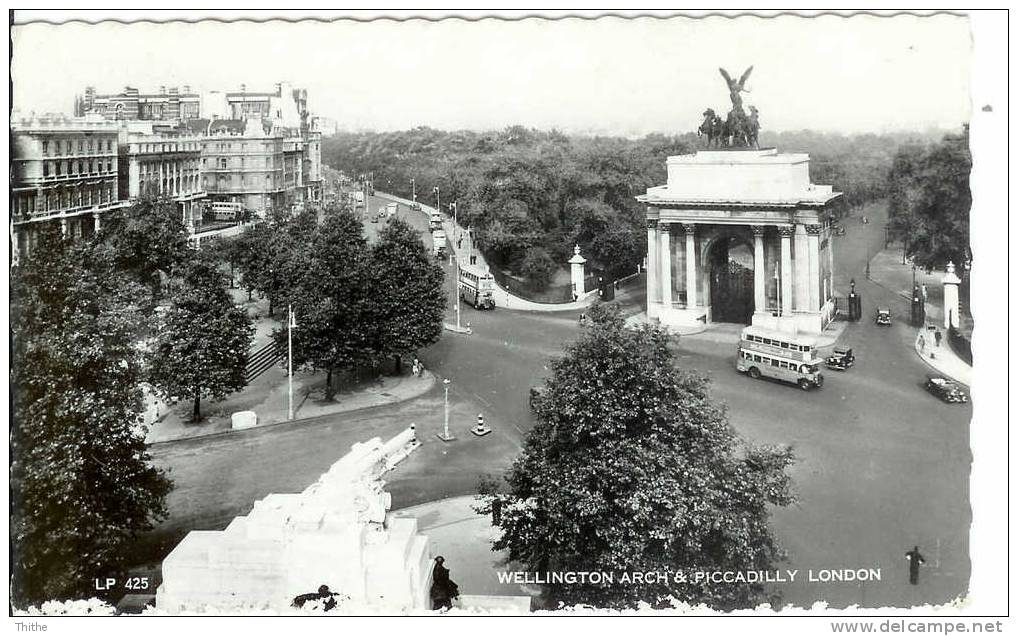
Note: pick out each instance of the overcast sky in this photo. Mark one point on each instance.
(609, 75)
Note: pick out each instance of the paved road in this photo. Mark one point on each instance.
(882, 466)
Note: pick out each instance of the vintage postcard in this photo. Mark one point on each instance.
(508, 313)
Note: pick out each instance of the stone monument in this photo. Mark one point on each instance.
(337, 532)
(739, 234)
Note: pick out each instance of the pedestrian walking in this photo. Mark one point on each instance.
(443, 589)
(914, 561)
(937, 336)
(922, 344)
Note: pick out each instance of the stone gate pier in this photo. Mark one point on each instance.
(740, 236)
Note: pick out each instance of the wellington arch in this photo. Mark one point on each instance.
(740, 236)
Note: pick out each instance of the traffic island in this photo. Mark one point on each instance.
(460, 330)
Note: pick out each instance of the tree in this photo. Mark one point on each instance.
(82, 486)
(203, 343)
(632, 468)
(147, 239)
(538, 266)
(407, 284)
(328, 290)
(930, 201)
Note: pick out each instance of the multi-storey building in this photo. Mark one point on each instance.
(131, 104)
(243, 162)
(162, 163)
(62, 171)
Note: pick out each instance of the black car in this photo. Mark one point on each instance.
(840, 359)
(883, 317)
(945, 389)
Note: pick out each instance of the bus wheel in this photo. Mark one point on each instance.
(754, 373)
(804, 384)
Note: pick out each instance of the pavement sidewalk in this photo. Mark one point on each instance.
(887, 271)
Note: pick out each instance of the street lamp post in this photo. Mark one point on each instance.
(454, 226)
(438, 197)
(444, 435)
(413, 188)
(291, 324)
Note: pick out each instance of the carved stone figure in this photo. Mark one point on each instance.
(735, 88)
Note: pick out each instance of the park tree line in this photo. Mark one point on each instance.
(531, 195)
(929, 201)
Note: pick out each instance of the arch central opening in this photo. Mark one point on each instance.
(731, 281)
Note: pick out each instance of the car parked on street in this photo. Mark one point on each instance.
(945, 389)
(883, 317)
(840, 359)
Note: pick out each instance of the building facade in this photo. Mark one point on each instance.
(132, 105)
(243, 161)
(740, 236)
(162, 164)
(64, 171)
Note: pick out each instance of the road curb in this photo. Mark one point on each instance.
(296, 420)
(926, 360)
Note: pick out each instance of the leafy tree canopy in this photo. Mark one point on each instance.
(930, 201)
(82, 486)
(632, 467)
(407, 286)
(203, 342)
(146, 239)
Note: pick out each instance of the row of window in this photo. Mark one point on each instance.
(66, 147)
(774, 342)
(781, 364)
(186, 183)
(63, 199)
(222, 146)
(223, 163)
(64, 168)
(152, 167)
(169, 146)
(225, 181)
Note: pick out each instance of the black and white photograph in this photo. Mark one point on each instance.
(443, 313)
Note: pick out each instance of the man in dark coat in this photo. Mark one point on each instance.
(322, 594)
(443, 589)
(914, 561)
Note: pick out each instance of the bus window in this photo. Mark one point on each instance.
(774, 363)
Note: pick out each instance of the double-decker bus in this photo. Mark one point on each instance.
(225, 211)
(476, 287)
(778, 355)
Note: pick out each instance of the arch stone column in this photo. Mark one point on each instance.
(759, 275)
(786, 232)
(664, 229)
(813, 247)
(802, 295)
(690, 230)
(652, 268)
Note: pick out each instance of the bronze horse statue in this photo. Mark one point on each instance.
(712, 128)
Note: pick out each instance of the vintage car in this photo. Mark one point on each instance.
(883, 317)
(945, 389)
(839, 230)
(840, 359)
